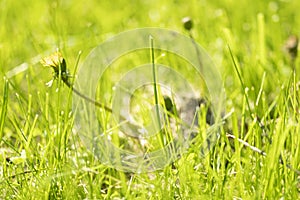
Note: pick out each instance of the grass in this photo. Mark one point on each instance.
(41, 153)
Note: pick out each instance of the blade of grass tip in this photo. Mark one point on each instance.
(244, 88)
(260, 89)
(47, 107)
(4, 107)
(14, 87)
(30, 135)
(155, 88)
(257, 102)
(76, 65)
(261, 37)
(294, 93)
(154, 80)
(239, 76)
(19, 132)
(27, 123)
(11, 146)
(20, 103)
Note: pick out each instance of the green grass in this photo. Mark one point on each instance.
(47, 159)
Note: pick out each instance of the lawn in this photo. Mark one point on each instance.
(50, 123)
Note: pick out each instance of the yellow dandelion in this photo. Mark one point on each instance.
(55, 61)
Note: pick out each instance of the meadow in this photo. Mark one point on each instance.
(253, 46)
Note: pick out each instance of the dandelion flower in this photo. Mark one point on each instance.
(57, 62)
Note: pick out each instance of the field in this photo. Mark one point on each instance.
(50, 52)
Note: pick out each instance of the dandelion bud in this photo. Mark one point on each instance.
(292, 46)
(169, 104)
(187, 23)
